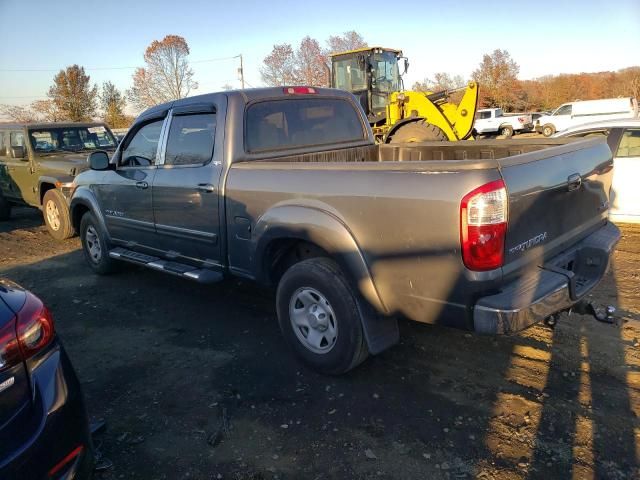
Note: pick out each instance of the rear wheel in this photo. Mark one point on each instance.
(56, 215)
(418, 131)
(5, 208)
(548, 130)
(506, 131)
(95, 246)
(319, 316)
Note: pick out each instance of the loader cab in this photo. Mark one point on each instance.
(371, 74)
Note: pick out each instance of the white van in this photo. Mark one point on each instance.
(571, 114)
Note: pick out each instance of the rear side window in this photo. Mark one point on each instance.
(291, 123)
(17, 139)
(191, 139)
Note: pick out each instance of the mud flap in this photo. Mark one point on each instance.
(380, 332)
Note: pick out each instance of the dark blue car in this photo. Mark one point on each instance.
(44, 430)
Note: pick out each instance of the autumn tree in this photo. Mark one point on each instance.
(311, 64)
(351, 40)
(279, 67)
(72, 94)
(113, 103)
(166, 75)
(497, 75)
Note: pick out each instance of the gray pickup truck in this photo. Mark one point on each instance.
(286, 187)
(38, 162)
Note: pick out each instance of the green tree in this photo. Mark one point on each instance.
(113, 103)
(73, 95)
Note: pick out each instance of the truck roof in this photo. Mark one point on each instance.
(248, 95)
(11, 126)
(366, 49)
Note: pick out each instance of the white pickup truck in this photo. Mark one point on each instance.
(493, 121)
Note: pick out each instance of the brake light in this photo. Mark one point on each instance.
(483, 226)
(34, 326)
(66, 461)
(300, 90)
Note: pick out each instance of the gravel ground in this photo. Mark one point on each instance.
(196, 382)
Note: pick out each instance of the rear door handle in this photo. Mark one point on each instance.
(142, 185)
(574, 181)
(206, 187)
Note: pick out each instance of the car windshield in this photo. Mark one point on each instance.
(71, 139)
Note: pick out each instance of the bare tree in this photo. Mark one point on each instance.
(279, 67)
(166, 75)
(440, 81)
(73, 95)
(348, 41)
(47, 111)
(18, 113)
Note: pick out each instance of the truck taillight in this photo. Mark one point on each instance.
(300, 90)
(34, 326)
(483, 226)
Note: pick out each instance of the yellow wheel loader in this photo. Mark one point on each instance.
(396, 115)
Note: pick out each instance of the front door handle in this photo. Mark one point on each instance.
(574, 181)
(206, 187)
(142, 185)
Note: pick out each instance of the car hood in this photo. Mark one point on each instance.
(70, 164)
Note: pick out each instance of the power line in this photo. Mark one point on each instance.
(219, 59)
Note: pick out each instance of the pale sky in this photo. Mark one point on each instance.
(109, 37)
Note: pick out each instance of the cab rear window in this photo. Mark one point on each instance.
(301, 122)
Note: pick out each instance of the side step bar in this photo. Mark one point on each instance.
(200, 275)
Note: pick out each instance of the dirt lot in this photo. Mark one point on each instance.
(196, 382)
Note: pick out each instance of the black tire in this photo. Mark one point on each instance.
(89, 227)
(323, 276)
(506, 131)
(55, 211)
(5, 208)
(548, 130)
(418, 131)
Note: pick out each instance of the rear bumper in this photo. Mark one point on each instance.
(59, 425)
(554, 287)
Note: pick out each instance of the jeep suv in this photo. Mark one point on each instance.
(38, 163)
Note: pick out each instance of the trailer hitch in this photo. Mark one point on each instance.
(584, 307)
(604, 315)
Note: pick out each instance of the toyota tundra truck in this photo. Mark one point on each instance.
(286, 187)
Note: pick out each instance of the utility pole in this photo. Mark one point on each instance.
(241, 72)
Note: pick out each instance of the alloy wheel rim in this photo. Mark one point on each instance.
(53, 215)
(313, 320)
(94, 249)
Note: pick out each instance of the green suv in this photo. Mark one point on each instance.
(38, 163)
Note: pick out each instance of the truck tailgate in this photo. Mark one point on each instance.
(556, 197)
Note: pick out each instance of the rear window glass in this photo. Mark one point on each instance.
(282, 124)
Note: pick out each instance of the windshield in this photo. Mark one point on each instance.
(71, 139)
(385, 78)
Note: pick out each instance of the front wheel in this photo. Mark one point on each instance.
(319, 316)
(95, 246)
(548, 130)
(56, 215)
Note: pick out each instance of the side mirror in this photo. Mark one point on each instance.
(18, 152)
(406, 65)
(98, 160)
